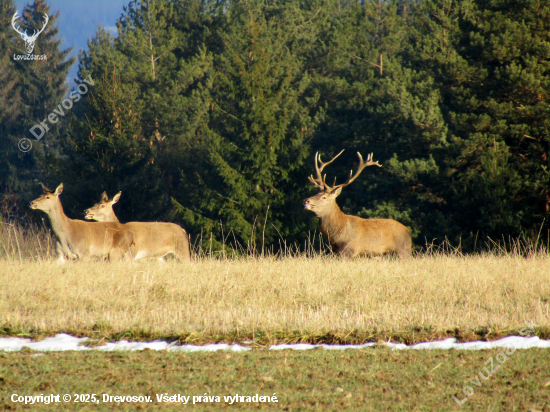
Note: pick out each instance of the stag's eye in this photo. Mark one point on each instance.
(323, 197)
(47, 197)
(102, 205)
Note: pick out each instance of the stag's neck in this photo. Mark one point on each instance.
(333, 224)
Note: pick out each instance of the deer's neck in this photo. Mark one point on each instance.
(61, 224)
(333, 224)
(111, 217)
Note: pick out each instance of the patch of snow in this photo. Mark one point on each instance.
(305, 346)
(59, 342)
(295, 346)
(517, 342)
(63, 342)
(209, 348)
(125, 345)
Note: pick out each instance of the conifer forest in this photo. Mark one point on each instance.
(209, 113)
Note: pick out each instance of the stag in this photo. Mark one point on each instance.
(351, 235)
(29, 40)
(151, 239)
(77, 239)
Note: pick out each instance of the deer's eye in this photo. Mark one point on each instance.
(102, 205)
(47, 197)
(324, 198)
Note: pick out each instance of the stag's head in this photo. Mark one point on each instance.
(323, 203)
(29, 40)
(49, 200)
(103, 210)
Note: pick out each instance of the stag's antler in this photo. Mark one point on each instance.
(352, 176)
(320, 181)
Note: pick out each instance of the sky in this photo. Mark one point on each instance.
(78, 22)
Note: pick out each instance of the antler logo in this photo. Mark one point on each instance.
(29, 40)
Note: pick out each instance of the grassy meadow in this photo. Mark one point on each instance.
(293, 298)
(372, 379)
(259, 301)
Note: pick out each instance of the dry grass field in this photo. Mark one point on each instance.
(268, 300)
(312, 297)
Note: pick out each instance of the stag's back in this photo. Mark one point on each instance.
(381, 236)
(354, 236)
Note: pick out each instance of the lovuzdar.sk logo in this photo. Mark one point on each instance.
(29, 40)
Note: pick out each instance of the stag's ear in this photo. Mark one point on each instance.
(115, 198)
(337, 192)
(104, 197)
(59, 190)
(44, 188)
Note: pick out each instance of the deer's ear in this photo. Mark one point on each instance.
(59, 190)
(337, 192)
(104, 197)
(115, 198)
(44, 188)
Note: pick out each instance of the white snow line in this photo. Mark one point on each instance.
(64, 342)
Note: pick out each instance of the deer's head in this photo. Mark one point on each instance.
(102, 211)
(323, 203)
(29, 40)
(49, 200)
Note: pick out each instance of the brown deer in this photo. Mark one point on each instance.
(77, 239)
(151, 239)
(352, 235)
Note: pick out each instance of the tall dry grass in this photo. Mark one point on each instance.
(286, 298)
(23, 243)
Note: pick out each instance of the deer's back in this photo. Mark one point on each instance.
(97, 238)
(155, 234)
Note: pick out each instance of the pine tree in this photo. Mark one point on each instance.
(10, 108)
(37, 86)
(493, 98)
(43, 82)
(250, 183)
(377, 102)
(139, 115)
